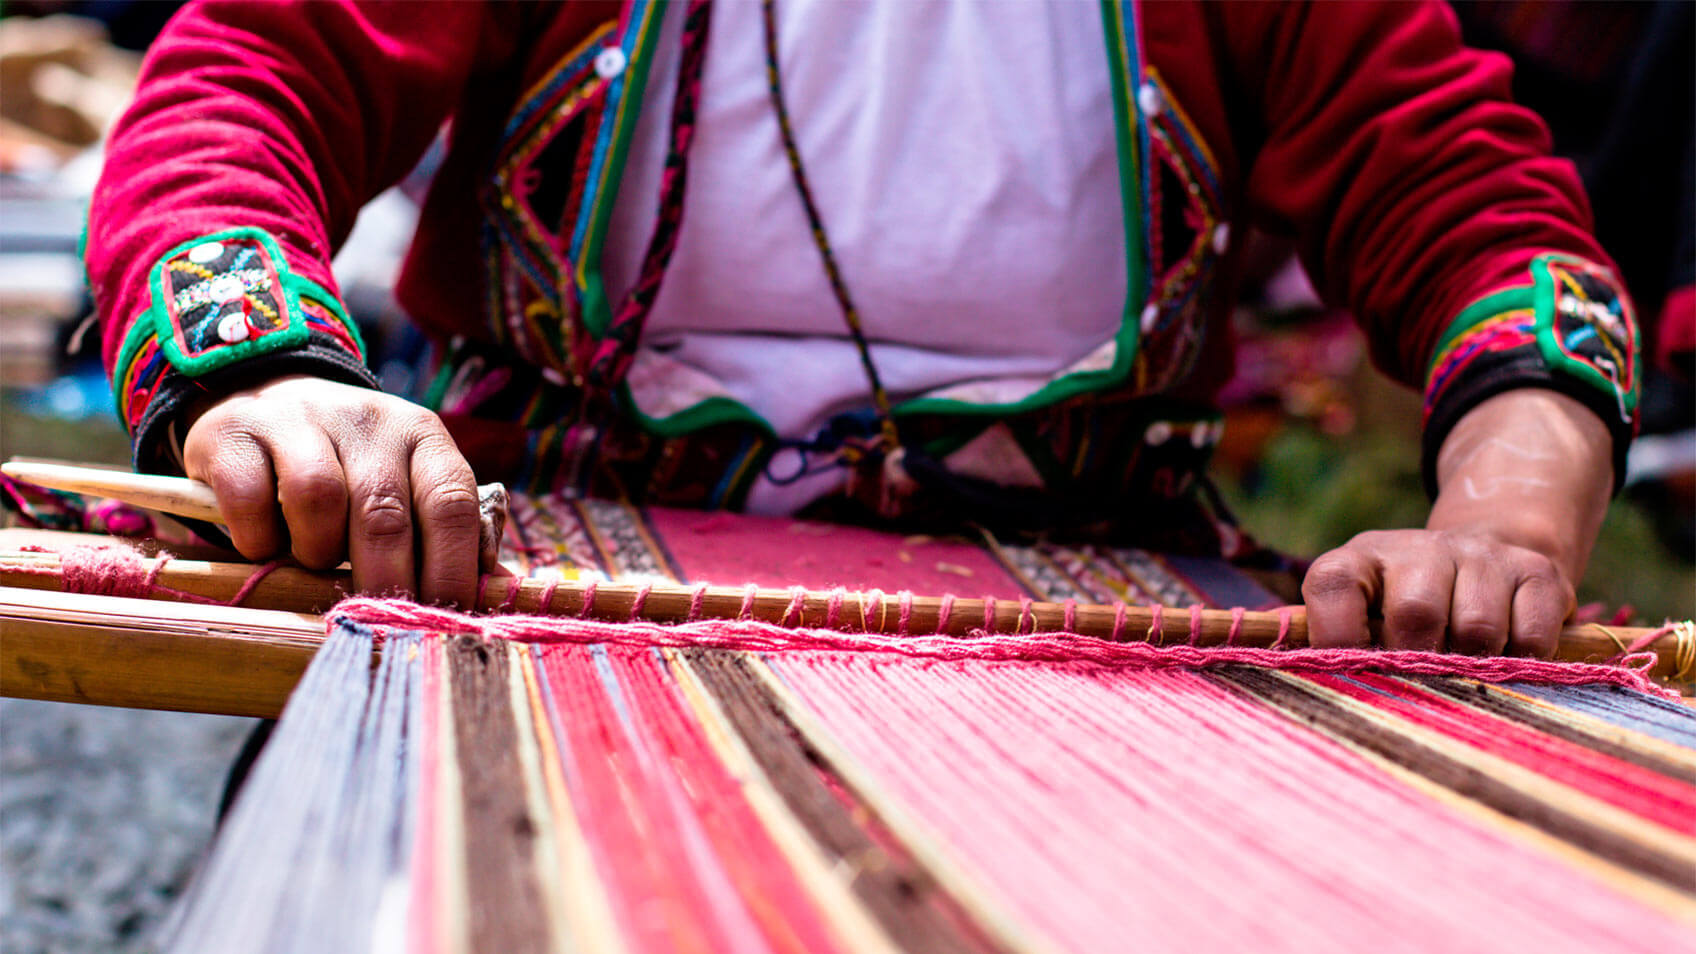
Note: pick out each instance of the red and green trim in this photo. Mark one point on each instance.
(1571, 316)
(201, 290)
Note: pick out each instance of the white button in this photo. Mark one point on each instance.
(1150, 315)
(232, 328)
(609, 62)
(1221, 237)
(206, 253)
(1150, 99)
(1158, 433)
(226, 288)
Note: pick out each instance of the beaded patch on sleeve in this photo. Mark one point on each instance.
(224, 297)
(1572, 316)
(216, 300)
(1585, 327)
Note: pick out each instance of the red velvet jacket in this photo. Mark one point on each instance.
(1422, 199)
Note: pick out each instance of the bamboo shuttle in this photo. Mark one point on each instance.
(301, 591)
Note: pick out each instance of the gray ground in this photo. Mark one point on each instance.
(104, 814)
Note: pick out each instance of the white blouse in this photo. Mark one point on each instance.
(962, 155)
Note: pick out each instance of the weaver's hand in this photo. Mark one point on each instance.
(1524, 481)
(329, 472)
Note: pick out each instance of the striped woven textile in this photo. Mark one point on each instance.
(733, 786)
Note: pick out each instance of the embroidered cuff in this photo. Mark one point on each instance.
(1570, 330)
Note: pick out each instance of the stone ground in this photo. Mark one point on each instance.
(104, 814)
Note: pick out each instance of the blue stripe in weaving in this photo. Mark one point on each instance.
(1662, 718)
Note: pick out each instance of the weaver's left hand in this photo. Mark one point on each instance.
(1524, 479)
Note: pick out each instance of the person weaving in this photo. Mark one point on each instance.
(928, 263)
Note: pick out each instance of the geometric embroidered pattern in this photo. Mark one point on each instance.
(224, 297)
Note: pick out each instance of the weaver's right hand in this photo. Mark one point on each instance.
(329, 472)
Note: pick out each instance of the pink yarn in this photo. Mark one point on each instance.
(1236, 629)
(755, 636)
(247, 588)
(797, 602)
(589, 591)
(1213, 782)
(945, 612)
(989, 615)
(867, 599)
(1027, 622)
(746, 611)
(121, 519)
(904, 625)
(696, 598)
(1285, 615)
(1070, 622)
(640, 601)
(120, 571)
(1155, 621)
(1195, 624)
(547, 595)
(833, 608)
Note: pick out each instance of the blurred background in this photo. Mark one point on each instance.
(103, 812)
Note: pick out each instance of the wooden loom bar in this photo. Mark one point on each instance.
(301, 591)
(111, 651)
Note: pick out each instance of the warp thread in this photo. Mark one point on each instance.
(755, 636)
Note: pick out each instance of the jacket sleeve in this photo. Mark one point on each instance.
(1427, 203)
(257, 132)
